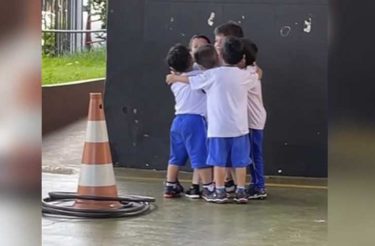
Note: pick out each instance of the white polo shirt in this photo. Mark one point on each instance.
(227, 90)
(257, 114)
(189, 101)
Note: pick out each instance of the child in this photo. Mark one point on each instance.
(206, 57)
(188, 130)
(196, 41)
(257, 118)
(227, 29)
(228, 142)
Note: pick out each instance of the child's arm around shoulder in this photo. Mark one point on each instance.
(255, 71)
(173, 78)
(197, 81)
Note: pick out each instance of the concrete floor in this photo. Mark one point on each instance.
(292, 215)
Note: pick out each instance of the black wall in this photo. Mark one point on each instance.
(139, 106)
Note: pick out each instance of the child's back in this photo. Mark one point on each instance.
(226, 89)
(189, 101)
(256, 111)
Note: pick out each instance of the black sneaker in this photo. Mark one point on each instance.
(208, 195)
(255, 193)
(241, 196)
(214, 196)
(180, 187)
(193, 192)
(173, 192)
(230, 188)
(220, 197)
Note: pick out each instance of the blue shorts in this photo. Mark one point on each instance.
(229, 152)
(188, 139)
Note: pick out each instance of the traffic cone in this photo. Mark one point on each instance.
(97, 176)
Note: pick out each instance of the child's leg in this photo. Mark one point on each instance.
(241, 194)
(194, 190)
(241, 177)
(228, 174)
(207, 182)
(233, 174)
(218, 149)
(196, 176)
(257, 156)
(172, 187)
(196, 145)
(172, 173)
(257, 190)
(199, 174)
(240, 157)
(230, 181)
(253, 180)
(219, 176)
(205, 175)
(178, 157)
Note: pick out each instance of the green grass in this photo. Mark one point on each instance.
(68, 68)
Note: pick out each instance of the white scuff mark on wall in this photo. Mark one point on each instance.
(243, 17)
(210, 20)
(172, 19)
(239, 22)
(182, 34)
(307, 25)
(284, 31)
(295, 23)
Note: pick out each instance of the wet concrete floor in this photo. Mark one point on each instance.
(294, 214)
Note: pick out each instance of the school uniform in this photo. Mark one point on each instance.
(256, 121)
(188, 133)
(227, 89)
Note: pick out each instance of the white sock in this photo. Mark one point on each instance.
(209, 186)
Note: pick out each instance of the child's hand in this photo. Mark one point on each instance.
(170, 78)
(259, 71)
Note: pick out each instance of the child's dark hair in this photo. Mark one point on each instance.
(179, 58)
(206, 56)
(230, 28)
(233, 50)
(199, 36)
(251, 51)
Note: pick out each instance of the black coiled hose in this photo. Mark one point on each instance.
(132, 206)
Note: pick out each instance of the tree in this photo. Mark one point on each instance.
(97, 11)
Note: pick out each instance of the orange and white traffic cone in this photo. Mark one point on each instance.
(97, 176)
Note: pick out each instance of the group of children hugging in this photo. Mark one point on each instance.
(219, 117)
